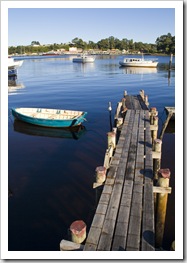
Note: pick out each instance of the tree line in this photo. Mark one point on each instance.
(165, 44)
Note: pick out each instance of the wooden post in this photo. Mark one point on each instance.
(111, 139)
(119, 122)
(170, 61)
(123, 103)
(153, 112)
(142, 94)
(146, 100)
(163, 181)
(100, 174)
(78, 231)
(155, 131)
(157, 147)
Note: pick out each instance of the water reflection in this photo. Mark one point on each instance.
(13, 85)
(138, 70)
(68, 133)
(83, 67)
(170, 127)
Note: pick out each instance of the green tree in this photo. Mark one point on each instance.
(166, 44)
(103, 44)
(35, 43)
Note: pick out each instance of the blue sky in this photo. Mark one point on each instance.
(61, 25)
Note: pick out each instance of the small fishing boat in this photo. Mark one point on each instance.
(14, 64)
(84, 58)
(138, 62)
(49, 117)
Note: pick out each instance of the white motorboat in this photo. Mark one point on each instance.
(138, 62)
(84, 58)
(14, 64)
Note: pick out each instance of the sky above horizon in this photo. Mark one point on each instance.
(62, 25)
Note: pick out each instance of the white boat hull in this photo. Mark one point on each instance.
(84, 59)
(138, 62)
(14, 64)
(143, 65)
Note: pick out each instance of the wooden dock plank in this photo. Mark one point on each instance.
(124, 218)
(148, 204)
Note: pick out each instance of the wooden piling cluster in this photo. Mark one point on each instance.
(131, 211)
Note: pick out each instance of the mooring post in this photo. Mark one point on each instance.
(123, 103)
(78, 231)
(111, 139)
(100, 174)
(155, 130)
(146, 100)
(157, 147)
(153, 112)
(170, 61)
(142, 94)
(163, 181)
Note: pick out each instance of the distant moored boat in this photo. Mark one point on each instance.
(84, 58)
(138, 62)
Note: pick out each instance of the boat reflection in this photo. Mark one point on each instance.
(68, 133)
(138, 70)
(13, 85)
(83, 67)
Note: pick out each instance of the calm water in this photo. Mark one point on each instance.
(51, 177)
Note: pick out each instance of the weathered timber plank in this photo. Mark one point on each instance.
(114, 201)
(123, 216)
(133, 243)
(90, 247)
(104, 199)
(112, 172)
(119, 243)
(148, 231)
(135, 220)
(109, 181)
(124, 212)
(139, 175)
(101, 209)
(128, 102)
(98, 220)
(125, 200)
(113, 206)
(105, 242)
(107, 189)
(106, 235)
(93, 236)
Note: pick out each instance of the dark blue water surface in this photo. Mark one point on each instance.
(50, 174)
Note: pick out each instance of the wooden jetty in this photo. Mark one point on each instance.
(125, 215)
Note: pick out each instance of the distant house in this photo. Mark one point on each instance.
(73, 49)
